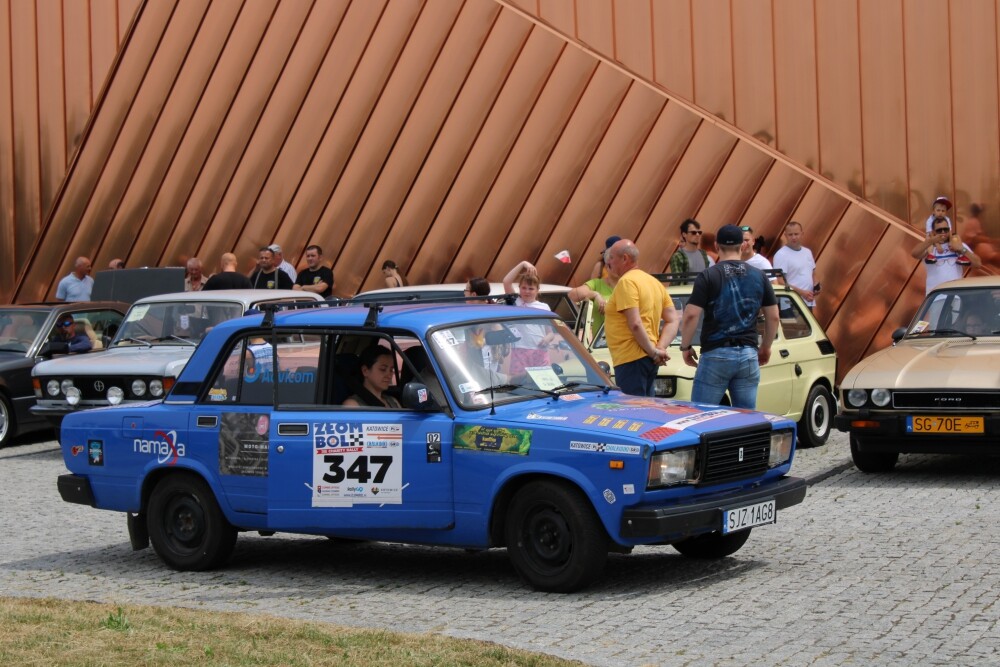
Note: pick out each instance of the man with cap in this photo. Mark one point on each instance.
(281, 263)
(636, 338)
(66, 338)
(600, 268)
(729, 294)
(939, 209)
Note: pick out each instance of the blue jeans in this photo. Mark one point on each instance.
(636, 377)
(732, 368)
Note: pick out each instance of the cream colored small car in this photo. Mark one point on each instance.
(798, 382)
(937, 389)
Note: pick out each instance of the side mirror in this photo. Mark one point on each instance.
(416, 396)
(898, 334)
(605, 366)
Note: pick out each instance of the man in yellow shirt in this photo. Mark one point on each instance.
(632, 321)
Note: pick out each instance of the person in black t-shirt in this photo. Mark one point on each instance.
(229, 277)
(267, 275)
(730, 294)
(317, 278)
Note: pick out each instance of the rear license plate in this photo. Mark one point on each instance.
(941, 424)
(742, 518)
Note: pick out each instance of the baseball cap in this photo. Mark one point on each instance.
(274, 247)
(611, 240)
(729, 235)
(943, 200)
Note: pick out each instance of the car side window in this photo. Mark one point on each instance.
(793, 323)
(225, 387)
(99, 325)
(299, 369)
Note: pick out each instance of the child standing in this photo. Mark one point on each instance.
(939, 209)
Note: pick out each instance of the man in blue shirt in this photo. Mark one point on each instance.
(78, 284)
(730, 294)
(67, 339)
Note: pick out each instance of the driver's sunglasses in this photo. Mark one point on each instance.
(64, 324)
(942, 230)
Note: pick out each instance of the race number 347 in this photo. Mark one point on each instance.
(359, 470)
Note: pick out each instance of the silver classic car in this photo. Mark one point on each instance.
(937, 389)
(152, 346)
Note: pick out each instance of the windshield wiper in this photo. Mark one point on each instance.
(941, 332)
(512, 387)
(573, 385)
(138, 340)
(173, 337)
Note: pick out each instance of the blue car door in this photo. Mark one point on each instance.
(355, 468)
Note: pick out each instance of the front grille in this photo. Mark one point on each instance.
(943, 400)
(724, 450)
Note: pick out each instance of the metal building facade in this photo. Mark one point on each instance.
(459, 137)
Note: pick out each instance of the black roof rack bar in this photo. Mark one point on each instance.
(691, 275)
(416, 299)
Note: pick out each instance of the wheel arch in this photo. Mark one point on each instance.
(510, 486)
(157, 474)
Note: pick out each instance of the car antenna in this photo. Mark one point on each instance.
(493, 405)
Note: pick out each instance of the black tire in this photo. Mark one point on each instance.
(872, 461)
(817, 417)
(712, 546)
(554, 538)
(8, 427)
(186, 526)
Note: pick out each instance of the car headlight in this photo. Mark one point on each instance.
(881, 397)
(115, 395)
(664, 387)
(72, 395)
(781, 448)
(65, 385)
(857, 397)
(673, 467)
(52, 387)
(138, 388)
(156, 388)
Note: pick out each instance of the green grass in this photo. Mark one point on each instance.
(54, 632)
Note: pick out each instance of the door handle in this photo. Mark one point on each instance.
(784, 353)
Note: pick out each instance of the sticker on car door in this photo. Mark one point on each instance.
(357, 463)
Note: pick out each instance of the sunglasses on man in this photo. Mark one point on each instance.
(64, 324)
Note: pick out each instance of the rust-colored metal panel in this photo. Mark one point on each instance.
(838, 75)
(194, 117)
(851, 254)
(673, 66)
(882, 97)
(26, 135)
(8, 203)
(51, 100)
(795, 81)
(536, 61)
(927, 111)
(775, 201)
(560, 14)
(633, 36)
(78, 83)
(753, 69)
(639, 193)
(692, 180)
(107, 36)
(735, 188)
(974, 97)
(599, 184)
(595, 25)
(712, 44)
(820, 212)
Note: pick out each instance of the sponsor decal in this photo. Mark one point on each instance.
(591, 419)
(691, 420)
(605, 421)
(552, 418)
(628, 489)
(218, 394)
(76, 450)
(266, 374)
(635, 426)
(571, 397)
(163, 445)
(95, 452)
(609, 496)
(659, 433)
(620, 424)
(356, 464)
(422, 395)
(262, 424)
(244, 444)
(607, 448)
(493, 439)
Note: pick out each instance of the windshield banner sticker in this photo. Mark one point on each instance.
(244, 444)
(356, 464)
(493, 439)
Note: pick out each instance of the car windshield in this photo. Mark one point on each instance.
(680, 301)
(514, 360)
(968, 312)
(173, 322)
(19, 328)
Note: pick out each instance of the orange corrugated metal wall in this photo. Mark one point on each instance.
(460, 137)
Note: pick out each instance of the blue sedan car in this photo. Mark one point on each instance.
(462, 425)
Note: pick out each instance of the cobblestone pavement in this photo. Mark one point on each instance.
(902, 568)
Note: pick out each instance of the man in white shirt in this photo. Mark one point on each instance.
(749, 255)
(947, 249)
(797, 263)
(281, 263)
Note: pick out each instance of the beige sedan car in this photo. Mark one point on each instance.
(937, 389)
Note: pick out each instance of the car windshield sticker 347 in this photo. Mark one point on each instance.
(356, 464)
(493, 439)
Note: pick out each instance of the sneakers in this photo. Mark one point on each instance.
(931, 259)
